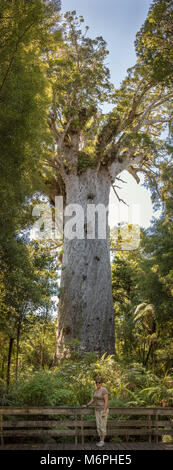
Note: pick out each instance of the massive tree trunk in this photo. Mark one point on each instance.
(86, 307)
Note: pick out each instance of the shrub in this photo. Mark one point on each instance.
(43, 389)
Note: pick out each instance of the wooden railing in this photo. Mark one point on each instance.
(20, 424)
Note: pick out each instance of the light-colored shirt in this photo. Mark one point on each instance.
(98, 398)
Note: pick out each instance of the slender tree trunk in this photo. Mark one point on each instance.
(42, 354)
(9, 360)
(148, 355)
(17, 347)
(3, 366)
(86, 310)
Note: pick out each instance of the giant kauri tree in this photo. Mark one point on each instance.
(92, 148)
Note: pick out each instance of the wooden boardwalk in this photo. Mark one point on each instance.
(92, 446)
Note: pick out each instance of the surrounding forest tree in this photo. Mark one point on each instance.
(145, 320)
(156, 278)
(144, 277)
(125, 298)
(27, 287)
(92, 149)
(27, 32)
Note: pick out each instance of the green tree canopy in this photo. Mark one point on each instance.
(26, 34)
(154, 42)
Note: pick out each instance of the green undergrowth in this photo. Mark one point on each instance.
(72, 382)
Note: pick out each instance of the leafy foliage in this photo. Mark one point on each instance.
(43, 389)
(154, 41)
(24, 98)
(73, 384)
(142, 283)
(26, 290)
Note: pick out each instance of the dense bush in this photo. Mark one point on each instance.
(43, 389)
(73, 383)
(128, 385)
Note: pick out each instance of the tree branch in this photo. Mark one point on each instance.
(152, 106)
(120, 179)
(59, 161)
(119, 199)
(151, 122)
(135, 104)
(133, 172)
(61, 140)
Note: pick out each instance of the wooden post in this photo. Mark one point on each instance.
(1, 425)
(149, 425)
(82, 428)
(76, 429)
(157, 437)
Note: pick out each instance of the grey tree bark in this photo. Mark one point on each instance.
(86, 310)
